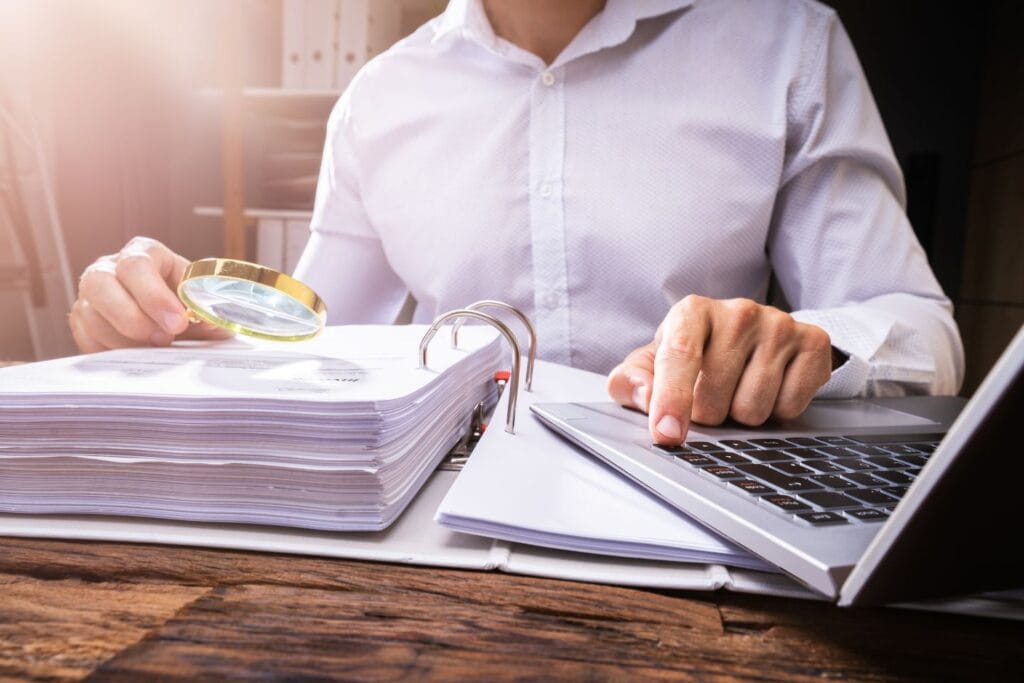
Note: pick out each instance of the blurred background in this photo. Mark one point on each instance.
(200, 123)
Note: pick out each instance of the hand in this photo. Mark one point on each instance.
(713, 359)
(126, 299)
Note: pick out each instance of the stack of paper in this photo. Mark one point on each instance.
(335, 433)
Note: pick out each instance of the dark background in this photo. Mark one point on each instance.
(947, 78)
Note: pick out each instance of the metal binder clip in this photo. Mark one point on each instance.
(531, 354)
(510, 419)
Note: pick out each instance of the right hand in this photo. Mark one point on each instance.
(129, 299)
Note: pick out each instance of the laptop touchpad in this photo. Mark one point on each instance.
(852, 414)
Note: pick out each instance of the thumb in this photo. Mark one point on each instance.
(205, 331)
(629, 384)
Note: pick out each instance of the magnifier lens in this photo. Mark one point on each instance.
(250, 307)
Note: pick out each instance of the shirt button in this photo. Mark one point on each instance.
(545, 190)
(552, 300)
(547, 78)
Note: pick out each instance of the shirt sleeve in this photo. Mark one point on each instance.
(344, 260)
(840, 244)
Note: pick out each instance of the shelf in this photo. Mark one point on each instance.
(276, 93)
(285, 104)
(255, 213)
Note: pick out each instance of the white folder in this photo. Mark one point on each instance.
(414, 539)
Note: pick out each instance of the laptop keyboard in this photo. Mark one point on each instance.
(820, 480)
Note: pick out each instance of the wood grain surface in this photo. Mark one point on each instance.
(122, 612)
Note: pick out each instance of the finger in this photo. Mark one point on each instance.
(733, 333)
(629, 384)
(101, 331)
(85, 343)
(107, 297)
(677, 363)
(809, 370)
(758, 388)
(147, 270)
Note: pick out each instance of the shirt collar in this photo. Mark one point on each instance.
(465, 18)
(613, 26)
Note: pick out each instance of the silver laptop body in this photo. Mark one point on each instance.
(944, 520)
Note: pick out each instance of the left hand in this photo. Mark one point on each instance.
(712, 359)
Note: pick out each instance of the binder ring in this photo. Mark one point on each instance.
(531, 354)
(510, 417)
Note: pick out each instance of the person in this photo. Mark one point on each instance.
(637, 176)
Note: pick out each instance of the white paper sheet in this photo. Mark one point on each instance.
(534, 487)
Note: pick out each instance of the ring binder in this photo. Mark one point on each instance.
(531, 354)
(510, 418)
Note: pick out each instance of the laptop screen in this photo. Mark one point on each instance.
(956, 530)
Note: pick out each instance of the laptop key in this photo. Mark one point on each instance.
(778, 479)
(870, 496)
(771, 443)
(839, 452)
(822, 518)
(834, 440)
(897, 491)
(913, 460)
(868, 450)
(832, 481)
(785, 503)
(674, 450)
(828, 499)
(865, 479)
(867, 515)
(705, 446)
(768, 455)
(696, 459)
(721, 471)
(899, 449)
(752, 487)
(804, 453)
(792, 468)
(729, 457)
(896, 477)
(826, 466)
(855, 464)
(736, 444)
(804, 441)
(885, 462)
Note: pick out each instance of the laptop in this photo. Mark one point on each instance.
(864, 501)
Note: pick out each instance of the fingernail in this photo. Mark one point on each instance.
(669, 428)
(172, 322)
(640, 397)
(160, 339)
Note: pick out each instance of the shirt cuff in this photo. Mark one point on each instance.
(857, 333)
(848, 380)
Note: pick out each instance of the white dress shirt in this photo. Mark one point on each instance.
(674, 147)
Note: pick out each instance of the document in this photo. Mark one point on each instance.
(337, 433)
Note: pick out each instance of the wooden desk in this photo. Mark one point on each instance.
(136, 612)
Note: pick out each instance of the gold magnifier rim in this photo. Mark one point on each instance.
(244, 271)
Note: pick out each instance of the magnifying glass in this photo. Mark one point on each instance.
(251, 299)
